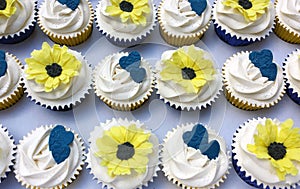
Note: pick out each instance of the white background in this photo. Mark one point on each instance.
(222, 116)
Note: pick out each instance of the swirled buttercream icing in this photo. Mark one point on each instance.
(292, 70)
(188, 165)
(7, 150)
(234, 22)
(288, 13)
(126, 181)
(35, 165)
(60, 19)
(178, 18)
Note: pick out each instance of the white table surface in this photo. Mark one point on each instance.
(222, 116)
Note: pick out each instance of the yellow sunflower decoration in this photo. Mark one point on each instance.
(280, 144)
(250, 9)
(189, 69)
(7, 7)
(52, 66)
(134, 10)
(123, 149)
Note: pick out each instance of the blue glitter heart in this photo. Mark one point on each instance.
(131, 64)
(3, 63)
(59, 141)
(198, 139)
(72, 4)
(264, 61)
(198, 6)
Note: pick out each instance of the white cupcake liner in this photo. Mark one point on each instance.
(128, 40)
(166, 169)
(71, 178)
(101, 128)
(11, 156)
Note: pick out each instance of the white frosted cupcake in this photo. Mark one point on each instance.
(123, 154)
(194, 156)
(8, 150)
(57, 78)
(265, 153)
(11, 80)
(183, 22)
(66, 22)
(123, 81)
(187, 78)
(49, 157)
(125, 23)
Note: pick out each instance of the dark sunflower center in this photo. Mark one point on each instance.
(188, 73)
(246, 4)
(54, 70)
(126, 6)
(277, 150)
(125, 151)
(3, 4)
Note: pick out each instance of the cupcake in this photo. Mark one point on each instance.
(17, 20)
(8, 150)
(187, 78)
(11, 80)
(125, 23)
(243, 22)
(49, 157)
(66, 22)
(287, 20)
(194, 156)
(57, 78)
(291, 71)
(123, 81)
(123, 154)
(265, 153)
(252, 80)
(183, 22)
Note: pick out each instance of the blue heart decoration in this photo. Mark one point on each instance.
(72, 4)
(198, 139)
(198, 6)
(3, 63)
(59, 141)
(264, 61)
(131, 64)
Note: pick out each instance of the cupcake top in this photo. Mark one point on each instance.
(254, 78)
(195, 156)
(187, 78)
(268, 150)
(184, 17)
(123, 78)
(7, 151)
(292, 70)
(123, 154)
(49, 157)
(65, 17)
(11, 75)
(15, 16)
(246, 18)
(125, 19)
(288, 13)
(57, 76)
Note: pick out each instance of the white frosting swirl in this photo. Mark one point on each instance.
(6, 152)
(178, 17)
(60, 19)
(292, 70)
(23, 16)
(246, 82)
(188, 166)
(176, 94)
(134, 180)
(12, 78)
(288, 12)
(234, 22)
(35, 165)
(116, 84)
(261, 169)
